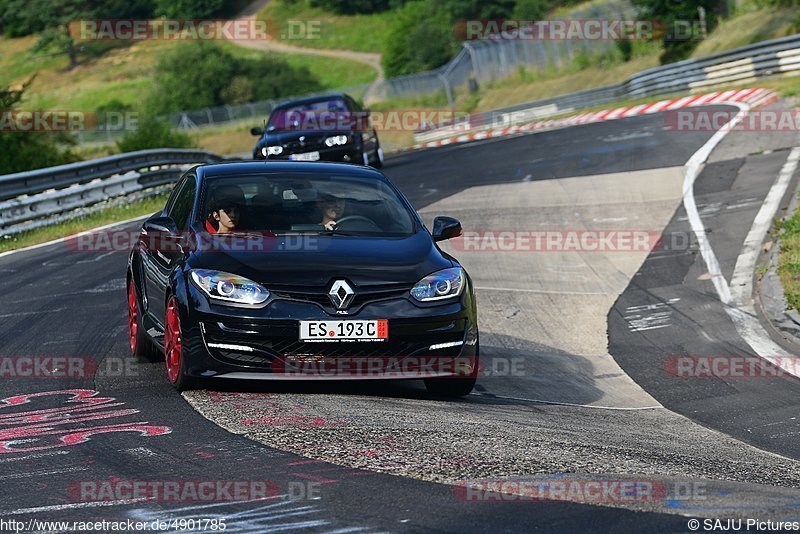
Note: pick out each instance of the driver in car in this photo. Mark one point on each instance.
(332, 209)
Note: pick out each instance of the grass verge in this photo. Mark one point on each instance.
(108, 215)
(789, 259)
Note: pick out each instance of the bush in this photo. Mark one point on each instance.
(24, 151)
(188, 9)
(153, 133)
(201, 74)
(420, 38)
(354, 7)
(669, 13)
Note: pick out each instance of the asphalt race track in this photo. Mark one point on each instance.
(576, 347)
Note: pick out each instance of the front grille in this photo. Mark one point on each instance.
(363, 296)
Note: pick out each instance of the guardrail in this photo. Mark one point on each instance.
(34, 198)
(739, 65)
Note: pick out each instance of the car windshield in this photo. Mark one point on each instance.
(306, 203)
(310, 116)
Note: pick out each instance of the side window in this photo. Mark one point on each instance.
(181, 210)
(174, 194)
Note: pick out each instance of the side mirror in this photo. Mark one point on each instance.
(160, 225)
(257, 131)
(445, 228)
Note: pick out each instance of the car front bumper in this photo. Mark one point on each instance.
(424, 342)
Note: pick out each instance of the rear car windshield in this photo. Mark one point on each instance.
(299, 203)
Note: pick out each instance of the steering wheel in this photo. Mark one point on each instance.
(360, 218)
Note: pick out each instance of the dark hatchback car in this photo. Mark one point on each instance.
(322, 128)
(284, 270)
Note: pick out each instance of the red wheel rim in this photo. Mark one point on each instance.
(172, 341)
(133, 317)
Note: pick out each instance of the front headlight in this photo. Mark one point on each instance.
(443, 284)
(336, 140)
(275, 150)
(229, 287)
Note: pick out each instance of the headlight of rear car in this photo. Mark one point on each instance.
(443, 284)
(336, 140)
(276, 150)
(229, 287)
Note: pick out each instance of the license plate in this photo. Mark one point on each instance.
(307, 156)
(377, 330)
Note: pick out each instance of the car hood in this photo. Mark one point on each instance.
(317, 260)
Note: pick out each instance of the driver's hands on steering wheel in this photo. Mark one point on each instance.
(331, 225)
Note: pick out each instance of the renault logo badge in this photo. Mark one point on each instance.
(341, 294)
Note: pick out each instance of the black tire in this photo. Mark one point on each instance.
(455, 387)
(450, 387)
(378, 163)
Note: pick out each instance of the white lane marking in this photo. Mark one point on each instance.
(73, 236)
(17, 314)
(659, 315)
(740, 312)
(542, 291)
(42, 473)
(742, 279)
(32, 456)
(71, 506)
(689, 204)
(743, 310)
(555, 403)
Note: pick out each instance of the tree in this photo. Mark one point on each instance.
(201, 74)
(681, 21)
(354, 7)
(23, 151)
(153, 133)
(420, 38)
(188, 9)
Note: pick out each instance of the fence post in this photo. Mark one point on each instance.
(449, 92)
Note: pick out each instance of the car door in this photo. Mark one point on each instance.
(161, 259)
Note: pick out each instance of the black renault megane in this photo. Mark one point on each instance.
(279, 270)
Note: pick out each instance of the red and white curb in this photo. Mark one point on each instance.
(752, 97)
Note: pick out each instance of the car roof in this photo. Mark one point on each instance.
(311, 100)
(235, 168)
